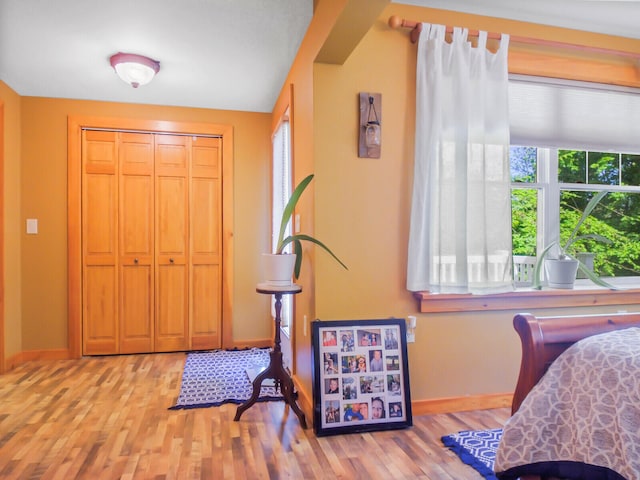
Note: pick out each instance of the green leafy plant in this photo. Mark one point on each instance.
(297, 238)
(564, 250)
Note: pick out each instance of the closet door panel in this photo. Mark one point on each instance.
(205, 292)
(171, 215)
(99, 232)
(100, 310)
(206, 243)
(172, 300)
(171, 228)
(136, 303)
(100, 217)
(136, 230)
(206, 157)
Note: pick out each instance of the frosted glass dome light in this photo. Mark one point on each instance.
(134, 69)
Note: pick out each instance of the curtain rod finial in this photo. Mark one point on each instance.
(395, 21)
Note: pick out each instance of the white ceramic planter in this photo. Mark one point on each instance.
(278, 269)
(561, 273)
(587, 258)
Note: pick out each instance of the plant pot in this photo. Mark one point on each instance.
(561, 273)
(587, 259)
(278, 269)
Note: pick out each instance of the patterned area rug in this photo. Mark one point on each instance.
(213, 378)
(476, 448)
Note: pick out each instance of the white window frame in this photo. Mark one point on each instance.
(549, 189)
(282, 179)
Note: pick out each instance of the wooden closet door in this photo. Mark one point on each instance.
(136, 260)
(206, 243)
(171, 226)
(99, 244)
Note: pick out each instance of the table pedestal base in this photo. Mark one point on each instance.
(283, 381)
(276, 369)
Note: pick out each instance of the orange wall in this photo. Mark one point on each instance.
(362, 210)
(303, 135)
(44, 192)
(12, 222)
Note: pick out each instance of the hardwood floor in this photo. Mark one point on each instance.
(108, 418)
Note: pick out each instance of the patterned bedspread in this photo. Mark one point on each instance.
(582, 419)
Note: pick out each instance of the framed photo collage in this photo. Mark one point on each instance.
(361, 376)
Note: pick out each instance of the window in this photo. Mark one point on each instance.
(569, 141)
(282, 180)
(551, 183)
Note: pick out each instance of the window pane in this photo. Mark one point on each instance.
(630, 169)
(524, 225)
(616, 218)
(572, 166)
(523, 162)
(604, 168)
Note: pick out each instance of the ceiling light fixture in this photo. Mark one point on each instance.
(134, 69)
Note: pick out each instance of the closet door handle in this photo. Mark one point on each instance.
(171, 260)
(135, 260)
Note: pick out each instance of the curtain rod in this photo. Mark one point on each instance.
(397, 22)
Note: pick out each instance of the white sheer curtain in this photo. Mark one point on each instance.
(460, 231)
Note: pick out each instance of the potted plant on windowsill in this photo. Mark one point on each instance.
(280, 266)
(561, 271)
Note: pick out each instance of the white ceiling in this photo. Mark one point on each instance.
(221, 54)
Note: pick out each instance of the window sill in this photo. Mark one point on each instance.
(527, 298)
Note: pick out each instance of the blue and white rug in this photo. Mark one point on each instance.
(476, 448)
(216, 377)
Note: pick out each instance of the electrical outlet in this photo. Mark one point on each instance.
(411, 329)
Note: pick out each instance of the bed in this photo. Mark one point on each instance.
(576, 406)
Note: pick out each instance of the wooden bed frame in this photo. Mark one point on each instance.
(545, 338)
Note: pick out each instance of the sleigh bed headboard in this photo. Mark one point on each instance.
(545, 338)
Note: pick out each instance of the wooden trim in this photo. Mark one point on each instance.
(579, 68)
(259, 343)
(12, 362)
(305, 399)
(32, 355)
(58, 354)
(416, 28)
(525, 300)
(74, 224)
(461, 404)
(74, 236)
(228, 263)
(586, 62)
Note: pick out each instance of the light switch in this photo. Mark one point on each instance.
(32, 226)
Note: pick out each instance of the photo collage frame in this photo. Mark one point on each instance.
(361, 376)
